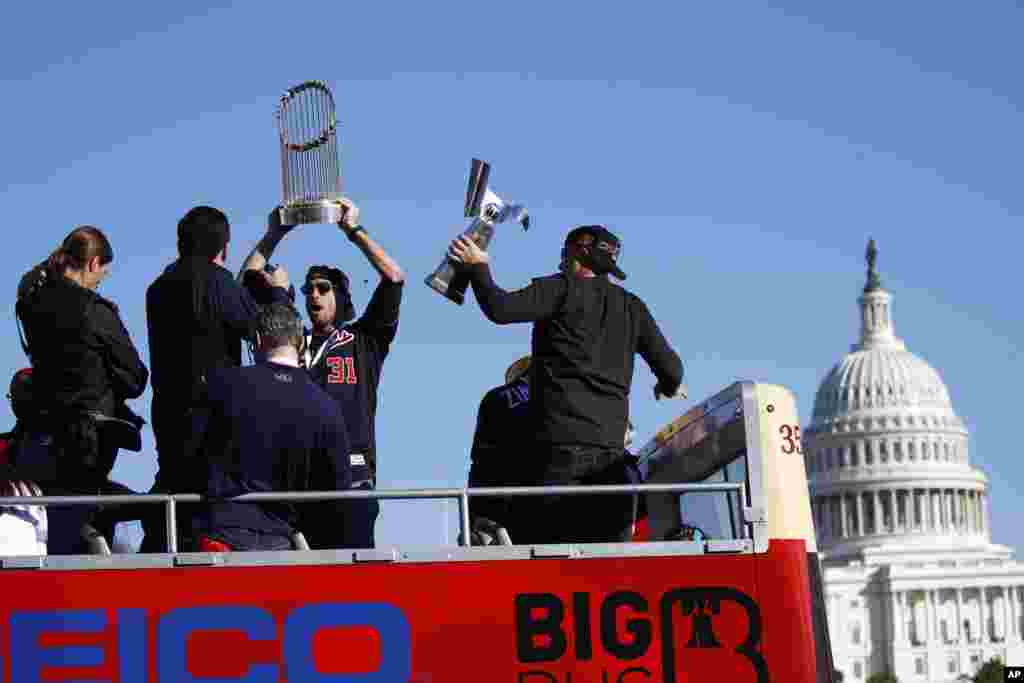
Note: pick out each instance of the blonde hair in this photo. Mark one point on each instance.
(517, 369)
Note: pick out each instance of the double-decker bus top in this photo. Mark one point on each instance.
(670, 612)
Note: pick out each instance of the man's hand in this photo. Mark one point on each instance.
(349, 217)
(275, 229)
(680, 393)
(279, 278)
(466, 251)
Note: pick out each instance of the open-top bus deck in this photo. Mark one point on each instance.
(742, 605)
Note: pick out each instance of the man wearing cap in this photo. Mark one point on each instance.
(501, 454)
(345, 356)
(586, 332)
(197, 315)
(261, 428)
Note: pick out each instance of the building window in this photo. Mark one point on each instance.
(951, 665)
(855, 634)
(858, 670)
(920, 665)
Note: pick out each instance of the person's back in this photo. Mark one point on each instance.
(583, 358)
(586, 332)
(502, 453)
(68, 325)
(84, 364)
(266, 427)
(197, 316)
(182, 347)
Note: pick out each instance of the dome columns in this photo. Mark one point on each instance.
(891, 510)
(981, 614)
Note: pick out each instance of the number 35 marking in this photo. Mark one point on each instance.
(791, 438)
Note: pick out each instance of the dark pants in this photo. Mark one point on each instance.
(336, 524)
(580, 518)
(171, 432)
(72, 462)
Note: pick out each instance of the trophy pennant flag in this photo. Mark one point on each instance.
(310, 166)
(487, 210)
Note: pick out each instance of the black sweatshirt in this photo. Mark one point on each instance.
(349, 366)
(265, 427)
(501, 453)
(182, 348)
(586, 332)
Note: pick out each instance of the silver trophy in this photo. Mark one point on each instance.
(310, 168)
(487, 210)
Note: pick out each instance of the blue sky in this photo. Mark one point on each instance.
(743, 152)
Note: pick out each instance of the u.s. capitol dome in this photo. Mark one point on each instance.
(914, 584)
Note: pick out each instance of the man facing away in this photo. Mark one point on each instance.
(265, 427)
(586, 332)
(346, 359)
(197, 316)
(502, 453)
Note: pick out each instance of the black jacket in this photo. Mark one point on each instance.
(586, 333)
(502, 453)
(183, 347)
(82, 357)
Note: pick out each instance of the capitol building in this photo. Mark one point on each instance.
(914, 585)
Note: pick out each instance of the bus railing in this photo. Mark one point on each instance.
(462, 495)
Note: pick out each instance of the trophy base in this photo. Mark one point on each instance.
(315, 212)
(443, 288)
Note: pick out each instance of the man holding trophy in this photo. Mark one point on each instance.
(586, 332)
(345, 358)
(343, 355)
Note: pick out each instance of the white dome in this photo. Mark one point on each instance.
(886, 455)
(876, 380)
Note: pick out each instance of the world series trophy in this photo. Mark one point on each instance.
(487, 210)
(310, 167)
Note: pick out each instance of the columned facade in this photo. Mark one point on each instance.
(913, 582)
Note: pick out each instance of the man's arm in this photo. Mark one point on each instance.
(386, 267)
(235, 306)
(538, 300)
(380, 318)
(128, 374)
(663, 361)
(264, 249)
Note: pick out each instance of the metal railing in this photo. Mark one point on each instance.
(462, 495)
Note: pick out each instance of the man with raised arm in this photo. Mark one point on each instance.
(346, 359)
(586, 332)
(197, 317)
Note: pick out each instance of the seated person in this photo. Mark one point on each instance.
(26, 457)
(265, 427)
(501, 454)
(22, 527)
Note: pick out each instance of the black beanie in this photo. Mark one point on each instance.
(336, 277)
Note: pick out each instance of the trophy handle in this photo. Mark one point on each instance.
(451, 283)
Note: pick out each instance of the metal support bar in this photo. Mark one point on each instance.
(461, 494)
(464, 519)
(172, 527)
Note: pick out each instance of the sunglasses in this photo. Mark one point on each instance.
(320, 286)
